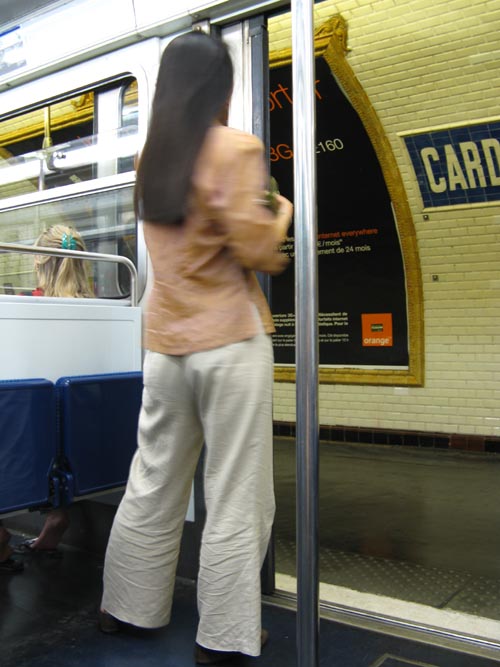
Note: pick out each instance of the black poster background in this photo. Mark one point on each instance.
(358, 273)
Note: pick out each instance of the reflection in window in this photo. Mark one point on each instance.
(59, 144)
(129, 121)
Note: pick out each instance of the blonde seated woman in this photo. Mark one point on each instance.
(61, 276)
(66, 277)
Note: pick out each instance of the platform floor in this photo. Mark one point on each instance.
(412, 524)
(48, 619)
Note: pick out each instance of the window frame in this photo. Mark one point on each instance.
(140, 62)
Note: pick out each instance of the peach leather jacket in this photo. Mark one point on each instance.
(205, 292)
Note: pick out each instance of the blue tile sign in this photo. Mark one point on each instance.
(457, 166)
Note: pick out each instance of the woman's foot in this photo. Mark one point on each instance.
(107, 623)
(207, 656)
(11, 566)
(30, 547)
(8, 565)
(5, 551)
(55, 525)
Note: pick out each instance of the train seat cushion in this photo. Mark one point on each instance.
(28, 442)
(98, 422)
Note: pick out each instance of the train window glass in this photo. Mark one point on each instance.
(86, 136)
(129, 121)
(106, 221)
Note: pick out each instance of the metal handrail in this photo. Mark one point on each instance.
(93, 256)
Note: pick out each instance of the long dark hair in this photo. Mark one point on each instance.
(194, 83)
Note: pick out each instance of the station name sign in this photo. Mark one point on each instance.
(457, 165)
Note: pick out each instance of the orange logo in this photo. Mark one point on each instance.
(376, 329)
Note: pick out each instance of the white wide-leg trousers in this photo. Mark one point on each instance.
(223, 397)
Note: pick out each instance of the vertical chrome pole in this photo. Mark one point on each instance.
(259, 52)
(306, 327)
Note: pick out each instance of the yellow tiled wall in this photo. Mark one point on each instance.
(424, 64)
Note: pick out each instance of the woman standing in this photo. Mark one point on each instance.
(209, 363)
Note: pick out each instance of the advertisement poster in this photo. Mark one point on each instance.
(362, 295)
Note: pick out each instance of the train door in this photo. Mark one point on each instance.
(390, 551)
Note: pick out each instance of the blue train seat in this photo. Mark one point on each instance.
(98, 424)
(28, 443)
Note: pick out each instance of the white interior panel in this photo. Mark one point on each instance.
(44, 338)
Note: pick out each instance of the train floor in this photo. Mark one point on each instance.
(48, 619)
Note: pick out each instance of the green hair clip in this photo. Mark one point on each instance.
(68, 242)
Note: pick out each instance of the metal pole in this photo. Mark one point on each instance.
(306, 327)
(259, 50)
